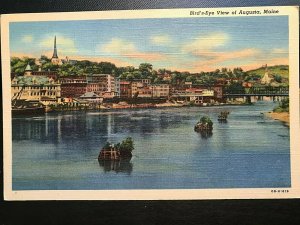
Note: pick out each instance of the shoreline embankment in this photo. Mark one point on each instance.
(281, 116)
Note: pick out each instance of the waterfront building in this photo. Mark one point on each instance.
(36, 88)
(95, 87)
(195, 95)
(218, 91)
(160, 90)
(91, 97)
(72, 79)
(73, 86)
(117, 87)
(125, 89)
(145, 92)
(208, 93)
(106, 82)
(73, 90)
(141, 88)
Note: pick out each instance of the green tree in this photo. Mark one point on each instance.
(107, 145)
(278, 78)
(283, 106)
(158, 80)
(50, 67)
(285, 103)
(127, 145)
(18, 65)
(107, 67)
(44, 59)
(145, 69)
(190, 78)
(206, 120)
(137, 74)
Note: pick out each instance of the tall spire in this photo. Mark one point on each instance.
(55, 50)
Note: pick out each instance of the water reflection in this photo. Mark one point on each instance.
(205, 134)
(118, 166)
(64, 127)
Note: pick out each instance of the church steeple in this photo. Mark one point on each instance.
(55, 60)
(55, 50)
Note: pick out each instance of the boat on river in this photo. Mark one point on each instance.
(223, 116)
(22, 107)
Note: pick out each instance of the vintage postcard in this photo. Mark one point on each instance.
(151, 104)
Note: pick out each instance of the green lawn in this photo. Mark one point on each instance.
(282, 70)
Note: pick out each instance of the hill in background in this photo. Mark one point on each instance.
(282, 70)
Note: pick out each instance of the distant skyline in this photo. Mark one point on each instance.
(183, 44)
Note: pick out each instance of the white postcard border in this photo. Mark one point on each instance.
(178, 194)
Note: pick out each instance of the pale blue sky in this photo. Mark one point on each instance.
(190, 44)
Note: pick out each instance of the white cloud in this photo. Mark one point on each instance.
(279, 51)
(161, 39)
(27, 39)
(126, 49)
(65, 45)
(118, 46)
(216, 60)
(206, 43)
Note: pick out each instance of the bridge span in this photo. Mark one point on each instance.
(256, 92)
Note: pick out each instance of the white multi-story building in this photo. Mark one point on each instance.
(160, 90)
(106, 81)
(117, 87)
(141, 88)
(36, 88)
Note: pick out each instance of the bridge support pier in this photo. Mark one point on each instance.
(248, 99)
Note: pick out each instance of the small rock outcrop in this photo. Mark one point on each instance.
(118, 151)
(205, 124)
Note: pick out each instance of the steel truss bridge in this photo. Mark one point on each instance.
(257, 91)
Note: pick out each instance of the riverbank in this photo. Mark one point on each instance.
(125, 105)
(281, 116)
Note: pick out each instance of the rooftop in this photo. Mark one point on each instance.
(28, 68)
(32, 80)
(90, 95)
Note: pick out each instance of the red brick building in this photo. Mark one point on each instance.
(73, 90)
(218, 89)
(125, 89)
(72, 79)
(97, 88)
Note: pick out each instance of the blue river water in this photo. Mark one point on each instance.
(58, 151)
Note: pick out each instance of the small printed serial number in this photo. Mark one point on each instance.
(279, 191)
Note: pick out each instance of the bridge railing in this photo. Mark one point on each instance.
(258, 90)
